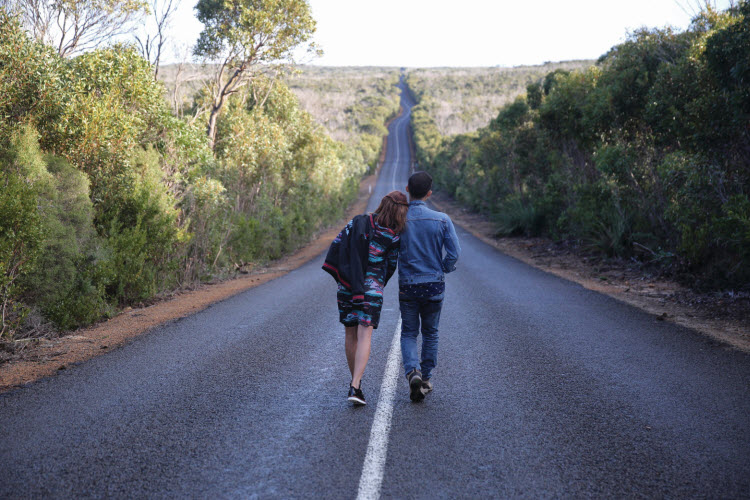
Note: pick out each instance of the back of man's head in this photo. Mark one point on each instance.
(420, 184)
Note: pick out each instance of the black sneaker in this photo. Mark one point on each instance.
(426, 386)
(356, 396)
(415, 385)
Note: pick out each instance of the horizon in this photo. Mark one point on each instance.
(365, 66)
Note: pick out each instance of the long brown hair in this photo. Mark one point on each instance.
(392, 211)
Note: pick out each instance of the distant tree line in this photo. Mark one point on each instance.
(645, 155)
(107, 198)
(462, 100)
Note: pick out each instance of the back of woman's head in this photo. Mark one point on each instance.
(392, 211)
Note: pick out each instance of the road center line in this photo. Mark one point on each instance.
(377, 448)
(398, 152)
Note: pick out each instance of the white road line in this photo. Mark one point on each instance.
(377, 448)
(398, 152)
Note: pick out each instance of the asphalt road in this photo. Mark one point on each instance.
(543, 390)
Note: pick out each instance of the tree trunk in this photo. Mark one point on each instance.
(211, 131)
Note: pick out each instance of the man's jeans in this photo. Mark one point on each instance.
(412, 311)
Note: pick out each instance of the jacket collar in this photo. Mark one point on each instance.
(416, 202)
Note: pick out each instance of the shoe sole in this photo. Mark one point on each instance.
(415, 389)
(356, 400)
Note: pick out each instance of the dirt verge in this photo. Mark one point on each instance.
(722, 316)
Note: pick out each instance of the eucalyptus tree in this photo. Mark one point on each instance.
(154, 36)
(248, 37)
(73, 26)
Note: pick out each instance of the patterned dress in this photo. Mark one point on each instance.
(381, 264)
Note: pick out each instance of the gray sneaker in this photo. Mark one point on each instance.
(426, 386)
(415, 385)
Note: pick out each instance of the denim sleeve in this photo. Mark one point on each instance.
(452, 248)
(391, 260)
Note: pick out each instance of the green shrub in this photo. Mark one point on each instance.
(283, 177)
(143, 239)
(644, 155)
(22, 229)
(107, 199)
(31, 87)
(20, 240)
(515, 217)
(62, 215)
(56, 284)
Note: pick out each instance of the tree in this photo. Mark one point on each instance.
(184, 72)
(76, 25)
(152, 41)
(246, 37)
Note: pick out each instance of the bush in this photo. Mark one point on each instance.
(284, 177)
(143, 239)
(21, 224)
(20, 240)
(645, 155)
(107, 199)
(514, 217)
(31, 87)
(57, 285)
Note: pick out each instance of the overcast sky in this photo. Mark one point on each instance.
(422, 33)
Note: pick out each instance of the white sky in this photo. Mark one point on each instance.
(423, 33)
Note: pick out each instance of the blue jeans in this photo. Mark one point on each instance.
(412, 311)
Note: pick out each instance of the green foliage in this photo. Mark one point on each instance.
(107, 199)
(31, 88)
(283, 177)
(515, 217)
(21, 227)
(534, 95)
(56, 237)
(427, 137)
(551, 79)
(67, 218)
(646, 155)
(462, 100)
(142, 235)
(262, 31)
(511, 116)
(244, 36)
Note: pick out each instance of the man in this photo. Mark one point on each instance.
(422, 268)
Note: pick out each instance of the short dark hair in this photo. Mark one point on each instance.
(420, 184)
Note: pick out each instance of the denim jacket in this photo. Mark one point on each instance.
(427, 234)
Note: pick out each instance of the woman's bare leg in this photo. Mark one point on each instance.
(350, 346)
(362, 354)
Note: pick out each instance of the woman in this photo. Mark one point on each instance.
(362, 259)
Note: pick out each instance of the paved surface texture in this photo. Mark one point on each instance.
(543, 390)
